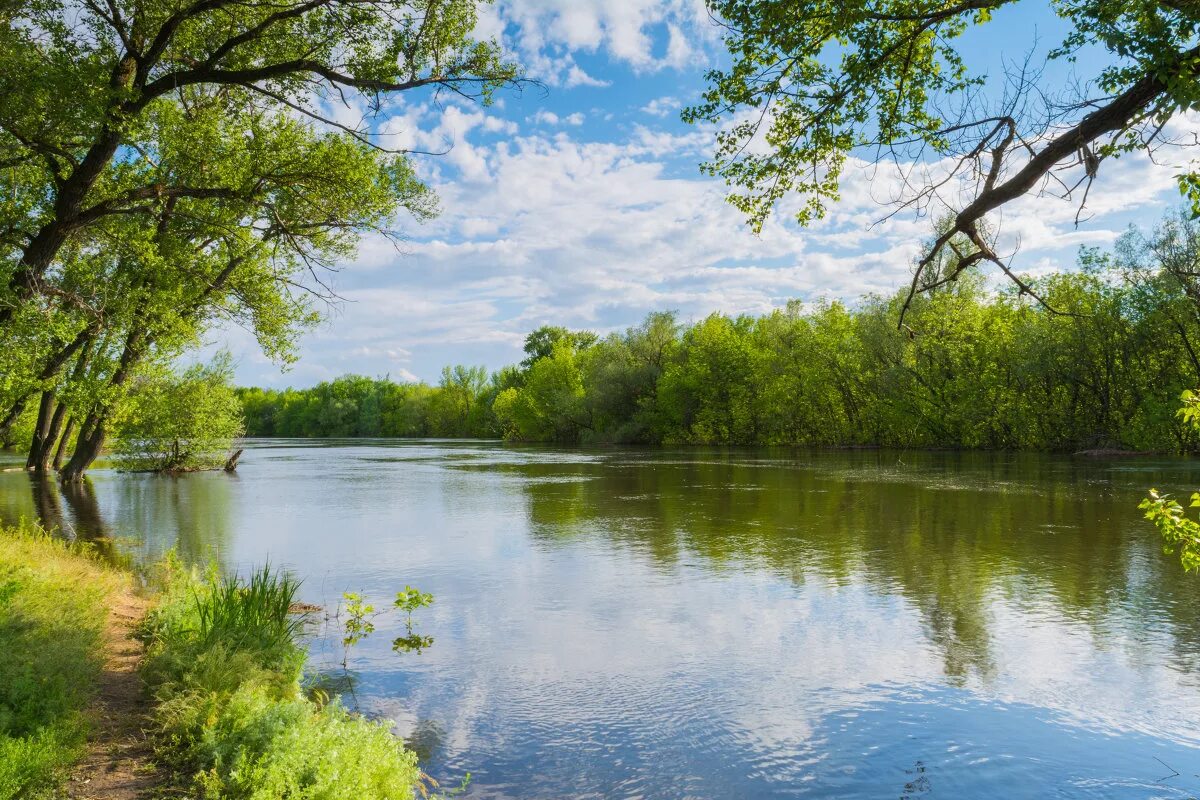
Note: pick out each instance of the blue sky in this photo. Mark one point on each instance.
(582, 204)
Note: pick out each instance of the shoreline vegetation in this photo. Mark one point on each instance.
(231, 714)
(1097, 369)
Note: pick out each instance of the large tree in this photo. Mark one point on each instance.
(814, 83)
(169, 165)
(80, 81)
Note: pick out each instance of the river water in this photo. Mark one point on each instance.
(705, 623)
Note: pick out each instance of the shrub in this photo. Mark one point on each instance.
(180, 423)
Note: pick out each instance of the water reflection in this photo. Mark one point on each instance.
(148, 514)
(712, 623)
(954, 534)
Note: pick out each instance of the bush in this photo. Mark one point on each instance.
(52, 614)
(225, 661)
(180, 423)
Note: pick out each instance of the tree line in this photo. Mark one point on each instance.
(1098, 362)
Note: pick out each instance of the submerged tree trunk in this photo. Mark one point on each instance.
(42, 442)
(91, 438)
(63, 442)
(49, 370)
(87, 449)
(232, 462)
(48, 445)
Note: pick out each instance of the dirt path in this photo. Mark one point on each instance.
(118, 764)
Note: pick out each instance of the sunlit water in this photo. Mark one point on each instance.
(723, 623)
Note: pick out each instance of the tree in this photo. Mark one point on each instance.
(550, 406)
(541, 342)
(180, 423)
(169, 166)
(461, 387)
(814, 83)
(82, 83)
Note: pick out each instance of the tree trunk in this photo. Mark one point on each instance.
(42, 441)
(232, 462)
(87, 449)
(56, 422)
(49, 370)
(63, 442)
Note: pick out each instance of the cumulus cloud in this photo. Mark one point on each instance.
(661, 106)
(577, 77)
(546, 32)
(543, 117)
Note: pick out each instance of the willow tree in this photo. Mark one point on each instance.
(815, 83)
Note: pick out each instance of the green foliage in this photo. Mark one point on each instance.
(1179, 533)
(179, 423)
(53, 606)
(541, 343)
(358, 624)
(170, 167)
(355, 406)
(409, 600)
(231, 712)
(974, 369)
(813, 83)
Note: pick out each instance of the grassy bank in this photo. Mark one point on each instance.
(53, 608)
(224, 661)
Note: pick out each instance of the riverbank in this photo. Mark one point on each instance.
(199, 689)
(70, 694)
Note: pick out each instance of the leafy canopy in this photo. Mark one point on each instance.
(813, 83)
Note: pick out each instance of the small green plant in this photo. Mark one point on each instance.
(409, 601)
(358, 625)
(1178, 532)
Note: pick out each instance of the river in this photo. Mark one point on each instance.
(709, 623)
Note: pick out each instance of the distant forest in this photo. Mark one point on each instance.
(1101, 362)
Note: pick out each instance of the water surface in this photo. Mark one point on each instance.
(722, 623)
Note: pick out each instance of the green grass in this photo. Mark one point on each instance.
(53, 606)
(225, 661)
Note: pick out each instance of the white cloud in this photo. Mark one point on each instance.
(541, 30)
(661, 106)
(577, 77)
(543, 117)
